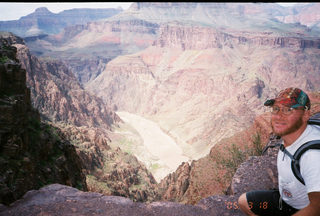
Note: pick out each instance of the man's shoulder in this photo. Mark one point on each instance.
(313, 132)
(312, 154)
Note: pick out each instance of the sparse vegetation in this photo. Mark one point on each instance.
(257, 144)
(228, 161)
(96, 185)
(3, 59)
(154, 167)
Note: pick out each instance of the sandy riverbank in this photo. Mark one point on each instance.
(158, 147)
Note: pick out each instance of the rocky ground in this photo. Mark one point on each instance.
(56, 199)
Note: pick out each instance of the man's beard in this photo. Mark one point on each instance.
(291, 129)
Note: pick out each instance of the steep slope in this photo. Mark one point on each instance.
(31, 153)
(59, 96)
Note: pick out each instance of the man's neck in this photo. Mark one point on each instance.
(292, 137)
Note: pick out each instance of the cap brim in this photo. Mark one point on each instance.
(269, 102)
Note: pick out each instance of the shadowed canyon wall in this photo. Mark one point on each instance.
(32, 153)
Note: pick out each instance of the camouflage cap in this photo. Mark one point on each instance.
(291, 97)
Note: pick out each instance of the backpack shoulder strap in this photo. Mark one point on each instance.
(314, 121)
(295, 166)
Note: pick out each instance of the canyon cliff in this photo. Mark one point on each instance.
(85, 121)
(32, 154)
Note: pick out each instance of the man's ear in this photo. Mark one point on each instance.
(306, 115)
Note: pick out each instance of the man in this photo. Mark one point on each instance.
(290, 111)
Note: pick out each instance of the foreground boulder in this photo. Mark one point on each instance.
(69, 201)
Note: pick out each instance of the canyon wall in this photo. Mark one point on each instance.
(32, 154)
(86, 48)
(202, 85)
(85, 121)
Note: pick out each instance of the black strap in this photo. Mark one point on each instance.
(314, 121)
(273, 139)
(295, 166)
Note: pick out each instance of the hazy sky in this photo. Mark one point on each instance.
(15, 10)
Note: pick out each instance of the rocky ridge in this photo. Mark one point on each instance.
(108, 170)
(175, 35)
(44, 22)
(87, 48)
(31, 153)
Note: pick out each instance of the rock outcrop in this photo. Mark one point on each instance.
(64, 200)
(57, 94)
(31, 154)
(110, 171)
(199, 37)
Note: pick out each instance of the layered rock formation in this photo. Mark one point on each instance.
(305, 14)
(199, 38)
(42, 21)
(31, 153)
(203, 89)
(57, 94)
(86, 48)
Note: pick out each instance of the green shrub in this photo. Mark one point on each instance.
(3, 59)
(231, 158)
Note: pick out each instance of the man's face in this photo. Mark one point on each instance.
(286, 124)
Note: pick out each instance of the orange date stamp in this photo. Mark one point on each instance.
(234, 205)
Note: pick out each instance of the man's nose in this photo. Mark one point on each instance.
(279, 114)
